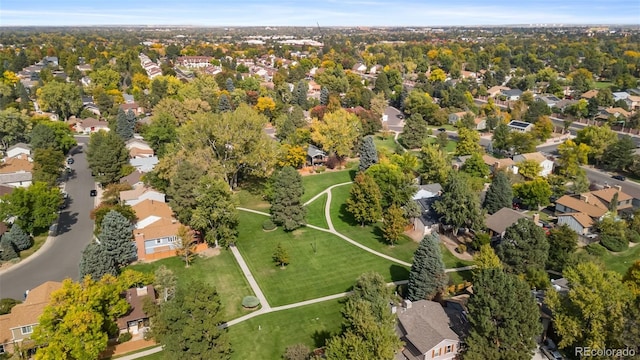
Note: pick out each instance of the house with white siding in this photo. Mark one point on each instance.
(546, 165)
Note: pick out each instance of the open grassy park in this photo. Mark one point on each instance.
(321, 263)
(620, 262)
(222, 271)
(315, 212)
(317, 183)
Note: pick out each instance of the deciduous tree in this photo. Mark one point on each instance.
(281, 256)
(563, 242)
(47, 165)
(619, 155)
(286, 207)
(436, 165)
(529, 169)
(593, 313)
(534, 193)
(393, 224)
(486, 258)
(414, 132)
(395, 186)
(364, 200)
(182, 190)
(523, 246)
(338, 132)
(503, 317)
(187, 325)
(61, 98)
(215, 215)
(107, 155)
(34, 208)
(186, 245)
(598, 138)
(13, 127)
(572, 156)
(427, 277)
(475, 166)
(468, 142)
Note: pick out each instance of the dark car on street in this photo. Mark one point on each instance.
(619, 177)
(93, 193)
(70, 161)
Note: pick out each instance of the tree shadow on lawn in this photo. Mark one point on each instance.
(254, 185)
(398, 272)
(374, 229)
(320, 338)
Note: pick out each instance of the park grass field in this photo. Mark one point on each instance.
(317, 183)
(315, 212)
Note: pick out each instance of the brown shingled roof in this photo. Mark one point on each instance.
(426, 325)
(582, 218)
(591, 208)
(16, 164)
(135, 301)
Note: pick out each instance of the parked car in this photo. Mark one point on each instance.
(93, 193)
(70, 161)
(619, 177)
(442, 129)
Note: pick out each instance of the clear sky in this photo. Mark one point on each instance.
(324, 12)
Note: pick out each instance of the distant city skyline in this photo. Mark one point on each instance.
(325, 12)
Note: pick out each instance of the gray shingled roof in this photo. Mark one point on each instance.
(15, 177)
(425, 325)
(502, 219)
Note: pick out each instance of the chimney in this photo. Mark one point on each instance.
(141, 291)
(618, 187)
(406, 304)
(584, 198)
(536, 218)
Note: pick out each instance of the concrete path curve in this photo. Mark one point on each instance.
(252, 281)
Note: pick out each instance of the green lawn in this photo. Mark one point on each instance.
(387, 144)
(222, 271)
(315, 212)
(38, 241)
(450, 261)
(252, 200)
(603, 84)
(369, 236)
(451, 145)
(315, 184)
(321, 263)
(460, 276)
(620, 262)
(267, 336)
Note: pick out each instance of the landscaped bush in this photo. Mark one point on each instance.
(596, 249)
(332, 162)
(614, 243)
(268, 225)
(250, 302)
(124, 337)
(633, 236)
(479, 240)
(461, 248)
(320, 169)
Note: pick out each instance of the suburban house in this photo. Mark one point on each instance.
(550, 100)
(194, 61)
(546, 165)
(480, 122)
(16, 171)
(498, 222)
(511, 94)
(144, 164)
(359, 67)
(137, 109)
(156, 232)
(425, 197)
(18, 149)
(128, 99)
(495, 164)
(496, 90)
(574, 210)
(139, 194)
(17, 326)
(138, 148)
(515, 125)
(91, 125)
(132, 179)
(315, 156)
(427, 331)
(589, 94)
(136, 321)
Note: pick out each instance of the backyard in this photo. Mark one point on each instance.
(620, 262)
(222, 271)
(320, 263)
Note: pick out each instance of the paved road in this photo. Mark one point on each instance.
(603, 178)
(59, 257)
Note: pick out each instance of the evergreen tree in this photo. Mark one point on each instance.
(229, 85)
(42, 137)
(459, 206)
(7, 249)
(427, 277)
(324, 96)
(382, 84)
(123, 127)
(107, 155)
(286, 206)
(115, 235)
(500, 139)
(96, 262)
(20, 239)
(500, 193)
(415, 132)
(132, 119)
(524, 246)
(300, 94)
(619, 155)
(188, 325)
(503, 317)
(368, 153)
(182, 190)
(224, 104)
(364, 200)
(563, 242)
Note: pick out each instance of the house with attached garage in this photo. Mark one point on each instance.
(580, 212)
(511, 94)
(17, 326)
(427, 222)
(515, 125)
(140, 193)
(498, 222)
(136, 321)
(546, 165)
(91, 125)
(138, 148)
(427, 330)
(16, 171)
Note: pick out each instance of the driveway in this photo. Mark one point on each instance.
(395, 119)
(59, 257)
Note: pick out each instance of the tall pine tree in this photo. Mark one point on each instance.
(499, 194)
(20, 239)
(415, 132)
(427, 277)
(123, 125)
(115, 236)
(368, 153)
(286, 206)
(96, 262)
(7, 249)
(224, 104)
(504, 318)
(524, 246)
(459, 206)
(364, 200)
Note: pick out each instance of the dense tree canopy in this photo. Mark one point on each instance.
(523, 246)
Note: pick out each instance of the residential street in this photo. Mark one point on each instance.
(59, 257)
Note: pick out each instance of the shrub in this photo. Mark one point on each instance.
(124, 337)
(332, 162)
(596, 249)
(250, 302)
(297, 352)
(614, 243)
(462, 248)
(479, 240)
(320, 169)
(268, 225)
(7, 304)
(633, 236)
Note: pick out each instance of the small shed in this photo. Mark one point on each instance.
(315, 156)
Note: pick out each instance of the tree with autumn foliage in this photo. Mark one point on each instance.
(364, 200)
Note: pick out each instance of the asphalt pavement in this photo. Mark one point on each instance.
(59, 257)
(395, 119)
